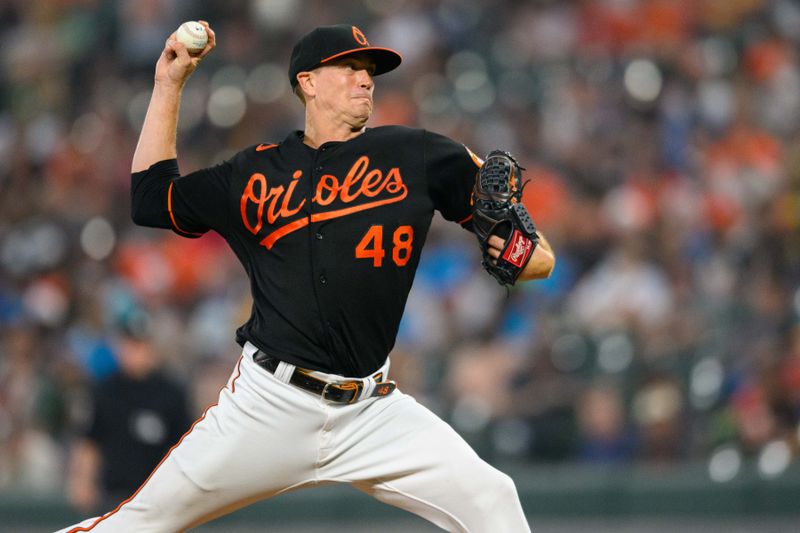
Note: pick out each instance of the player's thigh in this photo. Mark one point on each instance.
(396, 435)
(259, 438)
(405, 455)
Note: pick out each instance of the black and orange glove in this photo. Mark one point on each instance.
(497, 209)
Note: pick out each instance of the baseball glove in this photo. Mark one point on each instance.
(497, 209)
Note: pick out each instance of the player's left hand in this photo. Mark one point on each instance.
(497, 209)
(496, 245)
(541, 263)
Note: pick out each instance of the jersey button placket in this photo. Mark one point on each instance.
(318, 235)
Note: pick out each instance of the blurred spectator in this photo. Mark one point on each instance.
(31, 415)
(624, 291)
(605, 435)
(658, 410)
(137, 414)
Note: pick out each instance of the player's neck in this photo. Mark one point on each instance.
(319, 132)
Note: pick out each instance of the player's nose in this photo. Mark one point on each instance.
(365, 79)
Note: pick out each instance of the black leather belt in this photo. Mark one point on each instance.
(331, 391)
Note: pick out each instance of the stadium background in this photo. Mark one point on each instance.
(656, 373)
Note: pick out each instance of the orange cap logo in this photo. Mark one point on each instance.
(359, 37)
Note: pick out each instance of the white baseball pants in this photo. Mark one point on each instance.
(265, 437)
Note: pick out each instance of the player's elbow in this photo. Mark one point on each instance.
(148, 203)
(550, 265)
(137, 216)
(139, 213)
(144, 215)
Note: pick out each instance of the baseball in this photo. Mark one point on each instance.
(193, 35)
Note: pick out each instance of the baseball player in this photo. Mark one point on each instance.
(328, 224)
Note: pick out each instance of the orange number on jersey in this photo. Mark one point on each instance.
(374, 236)
(402, 239)
(371, 245)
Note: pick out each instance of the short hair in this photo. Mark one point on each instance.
(298, 92)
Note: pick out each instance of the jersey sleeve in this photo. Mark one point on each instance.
(197, 202)
(450, 170)
(189, 205)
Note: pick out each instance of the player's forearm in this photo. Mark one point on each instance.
(84, 468)
(85, 461)
(157, 140)
(542, 261)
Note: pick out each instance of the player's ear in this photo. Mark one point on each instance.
(305, 83)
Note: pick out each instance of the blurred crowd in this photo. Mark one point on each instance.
(662, 143)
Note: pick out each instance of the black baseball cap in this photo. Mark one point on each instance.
(326, 43)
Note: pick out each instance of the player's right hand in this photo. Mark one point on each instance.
(176, 64)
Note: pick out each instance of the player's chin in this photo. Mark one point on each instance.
(362, 113)
(362, 106)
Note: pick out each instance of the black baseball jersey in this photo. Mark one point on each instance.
(330, 237)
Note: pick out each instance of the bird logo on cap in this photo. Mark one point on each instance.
(359, 36)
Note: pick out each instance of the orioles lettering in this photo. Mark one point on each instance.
(276, 204)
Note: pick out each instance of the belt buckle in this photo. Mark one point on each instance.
(342, 385)
(324, 393)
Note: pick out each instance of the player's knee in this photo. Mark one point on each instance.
(502, 489)
(490, 490)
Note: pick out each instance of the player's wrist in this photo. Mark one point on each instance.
(168, 87)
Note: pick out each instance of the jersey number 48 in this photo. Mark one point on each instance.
(371, 245)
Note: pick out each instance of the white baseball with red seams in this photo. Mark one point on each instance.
(193, 36)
